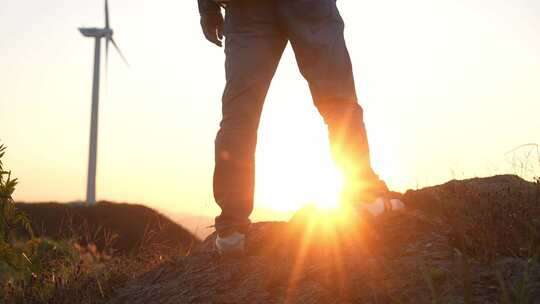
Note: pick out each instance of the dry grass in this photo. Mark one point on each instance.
(494, 222)
(67, 272)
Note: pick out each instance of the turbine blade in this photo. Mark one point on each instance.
(119, 51)
(107, 23)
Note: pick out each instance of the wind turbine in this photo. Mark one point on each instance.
(97, 34)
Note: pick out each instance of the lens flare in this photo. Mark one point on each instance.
(321, 236)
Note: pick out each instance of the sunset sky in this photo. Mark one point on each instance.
(448, 88)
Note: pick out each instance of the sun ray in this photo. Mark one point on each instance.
(299, 260)
(322, 236)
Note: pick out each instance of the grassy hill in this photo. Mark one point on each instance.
(123, 228)
(469, 241)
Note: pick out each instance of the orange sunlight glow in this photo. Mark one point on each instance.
(289, 191)
(322, 234)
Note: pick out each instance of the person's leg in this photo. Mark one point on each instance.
(315, 30)
(253, 47)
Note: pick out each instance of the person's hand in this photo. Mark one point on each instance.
(212, 26)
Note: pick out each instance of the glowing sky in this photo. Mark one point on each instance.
(448, 87)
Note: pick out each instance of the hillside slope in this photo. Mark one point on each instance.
(472, 241)
(133, 225)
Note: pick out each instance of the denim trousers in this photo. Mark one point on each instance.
(256, 34)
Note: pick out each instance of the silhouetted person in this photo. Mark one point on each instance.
(257, 32)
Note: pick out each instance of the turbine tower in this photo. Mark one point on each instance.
(97, 34)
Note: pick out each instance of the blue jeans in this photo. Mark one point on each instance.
(256, 33)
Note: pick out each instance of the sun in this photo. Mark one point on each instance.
(286, 182)
(328, 189)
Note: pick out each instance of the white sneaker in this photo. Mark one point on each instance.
(382, 205)
(233, 244)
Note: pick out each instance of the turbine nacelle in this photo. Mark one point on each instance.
(96, 32)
